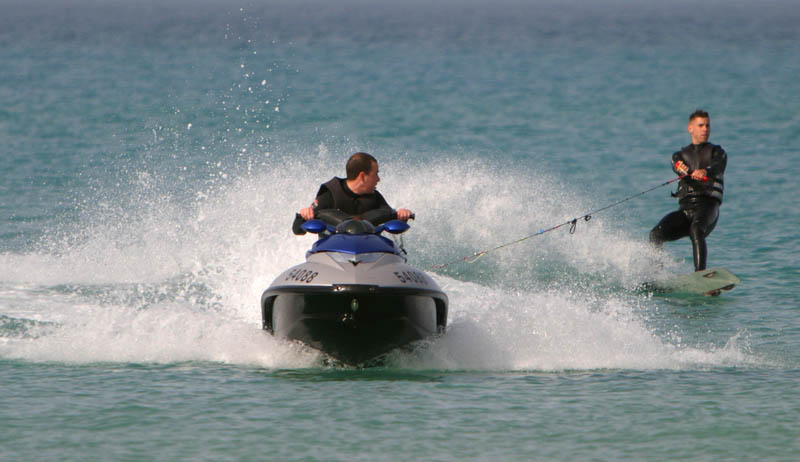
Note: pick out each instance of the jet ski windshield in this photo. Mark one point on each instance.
(348, 243)
(355, 227)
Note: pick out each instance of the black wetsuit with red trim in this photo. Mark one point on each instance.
(698, 201)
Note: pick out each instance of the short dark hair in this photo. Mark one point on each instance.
(359, 162)
(698, 113)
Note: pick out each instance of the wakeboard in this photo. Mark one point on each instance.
(711, 282)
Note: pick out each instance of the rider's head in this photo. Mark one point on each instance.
(359, 162)
(362, 173)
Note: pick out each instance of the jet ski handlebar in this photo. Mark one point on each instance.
(334, 221)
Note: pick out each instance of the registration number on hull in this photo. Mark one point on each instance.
(411, 276)
(301, 275)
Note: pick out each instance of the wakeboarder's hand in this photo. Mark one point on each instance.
(681, 167)
(307, 213)
(403, 214)
(699, 175)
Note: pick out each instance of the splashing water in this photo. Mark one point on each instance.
(148, 277)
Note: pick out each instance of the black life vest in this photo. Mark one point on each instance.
(697, 157)
(349, 202)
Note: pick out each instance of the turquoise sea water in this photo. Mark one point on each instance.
(154, 153)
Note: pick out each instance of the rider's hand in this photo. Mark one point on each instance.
(403, 214)
(681, 167)
(307, 213)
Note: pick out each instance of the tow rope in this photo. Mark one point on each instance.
(572, 222)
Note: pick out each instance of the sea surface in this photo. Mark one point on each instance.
(153, 154)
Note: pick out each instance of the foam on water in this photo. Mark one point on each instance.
(149, 277)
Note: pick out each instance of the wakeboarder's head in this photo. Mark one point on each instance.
(699, 126)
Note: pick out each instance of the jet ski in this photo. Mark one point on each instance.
(354, 298)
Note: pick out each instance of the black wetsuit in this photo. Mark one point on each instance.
(335, 195)
(698, 201)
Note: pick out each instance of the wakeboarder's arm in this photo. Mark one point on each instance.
(719, 160)
(678, 165)
(681, 169)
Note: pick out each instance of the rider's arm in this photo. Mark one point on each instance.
(401, 214)
(324, 200)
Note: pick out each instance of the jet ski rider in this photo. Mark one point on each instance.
(354, 195)
(699, 194)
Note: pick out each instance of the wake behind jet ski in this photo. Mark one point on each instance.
(354, 298)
